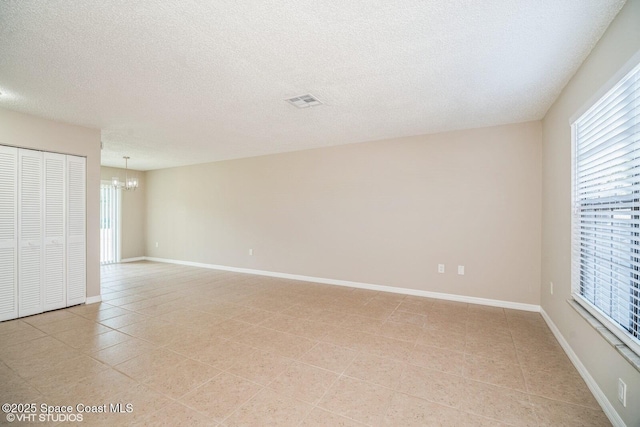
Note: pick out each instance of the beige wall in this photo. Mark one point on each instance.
(618, 44)
(22, 130)
(133, 213)
(384, 212)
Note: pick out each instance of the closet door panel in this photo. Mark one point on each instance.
(54, 231)
(30, 214)
(76, 230)
(8, 235)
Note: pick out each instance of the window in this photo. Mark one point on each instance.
(606, 209)
(109, 224)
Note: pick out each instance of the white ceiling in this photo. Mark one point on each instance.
(176, 82)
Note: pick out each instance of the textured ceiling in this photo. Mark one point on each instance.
(176, 82)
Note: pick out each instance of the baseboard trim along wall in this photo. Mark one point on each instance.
(93, 300)
(382, 288)
(139, 258)
(607, 407)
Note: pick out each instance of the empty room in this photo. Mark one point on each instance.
(318, 213)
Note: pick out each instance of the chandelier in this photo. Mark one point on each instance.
(130, 183)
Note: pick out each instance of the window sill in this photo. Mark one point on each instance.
(621, 347)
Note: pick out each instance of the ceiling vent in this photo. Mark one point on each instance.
(304, 101)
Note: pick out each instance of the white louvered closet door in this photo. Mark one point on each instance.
(8, 235)
(76, 230)
(54, 231)
(30, 214)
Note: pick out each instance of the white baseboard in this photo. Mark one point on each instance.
(93, 300)
(383, 288)
(607, 407)
(139, 258)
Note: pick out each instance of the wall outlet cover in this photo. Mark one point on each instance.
(622, 392)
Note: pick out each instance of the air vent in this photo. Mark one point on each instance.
(304, 101)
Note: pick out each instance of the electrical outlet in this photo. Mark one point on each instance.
(440, 268)
(156, 244)
(461, 270)
(551, 287)
(251, 252)
(622, 392)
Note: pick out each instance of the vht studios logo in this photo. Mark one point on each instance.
(58, 414)
(32, 418)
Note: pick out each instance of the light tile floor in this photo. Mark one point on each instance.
(191, 346)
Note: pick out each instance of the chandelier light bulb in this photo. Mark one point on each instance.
(130, 183)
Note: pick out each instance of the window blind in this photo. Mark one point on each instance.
(606, 209)
(109, 227)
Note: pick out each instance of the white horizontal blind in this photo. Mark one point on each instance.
(109, 224)
(606, 215)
